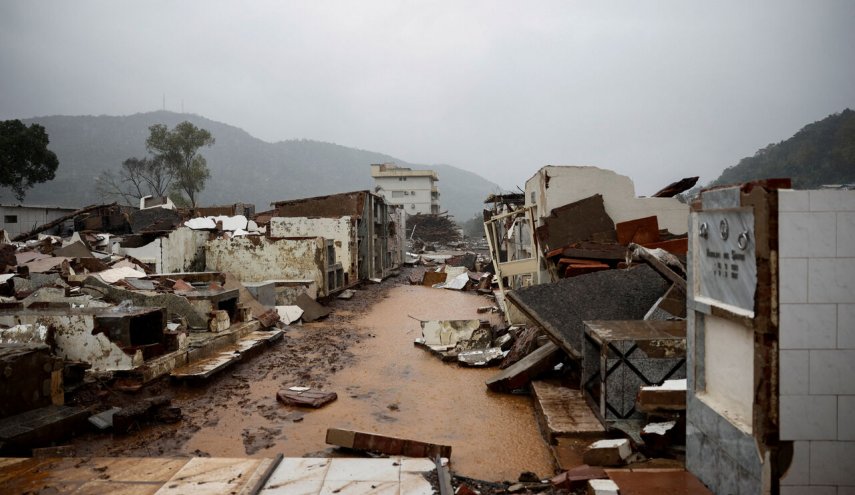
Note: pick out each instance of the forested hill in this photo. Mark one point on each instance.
(820, 153)
(243, 168)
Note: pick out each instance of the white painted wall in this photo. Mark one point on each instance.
(567, 184)
(342, 231)
(256, 259)
(418, 189)
(74, 340)
(25, 218)
(177, 252)
(729, 365)
(816, 232)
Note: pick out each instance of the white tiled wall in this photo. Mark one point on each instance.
(817, 339)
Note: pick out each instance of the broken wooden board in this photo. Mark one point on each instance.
(563, 412)
(305, 398)
(519, 374)
(385, 445)
(640, 231)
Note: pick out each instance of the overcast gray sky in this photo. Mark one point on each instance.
(656, 90)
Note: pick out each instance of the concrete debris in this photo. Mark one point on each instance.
(385, 444)
(346, 294)
(305, 396)
(289, 314)
(312, 310)
(602, 487)
(577, 478)
(670, 396)
(154, 409)
(520, 374)
(201, 223)
(607, 452)
(219, 322)
(104, 419)
(481, 357)
(113, 275)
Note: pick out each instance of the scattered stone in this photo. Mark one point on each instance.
(303, 396)
(607, 452)
(602, 487)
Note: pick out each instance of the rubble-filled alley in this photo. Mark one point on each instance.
(593, 342)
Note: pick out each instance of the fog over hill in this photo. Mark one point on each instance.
(243, 168)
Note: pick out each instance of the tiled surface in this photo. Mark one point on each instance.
(831, 463)
(846, 418)
(809, 417)
(803, 234)
(846, 326)
(793, 274)
(832, 372)
(799, 471)
(817, 357)
(808, 326)
(831, 280)
(345, 476)
(794, 372)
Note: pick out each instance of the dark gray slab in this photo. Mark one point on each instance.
(561, 307)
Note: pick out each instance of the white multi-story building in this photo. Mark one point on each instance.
(414, 190)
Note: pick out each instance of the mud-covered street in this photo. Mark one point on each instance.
(364, 352)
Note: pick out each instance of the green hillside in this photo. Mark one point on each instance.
(243, 168)
(819, 154)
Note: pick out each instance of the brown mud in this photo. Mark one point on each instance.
(364, 352)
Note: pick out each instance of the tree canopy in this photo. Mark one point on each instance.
(174, 166)
(178, 149)
(820, 153)
(24, 157)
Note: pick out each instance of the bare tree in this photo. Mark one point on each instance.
(135, 179)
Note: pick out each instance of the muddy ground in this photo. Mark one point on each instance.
(363, 351)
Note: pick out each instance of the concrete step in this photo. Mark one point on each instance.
(246, 347)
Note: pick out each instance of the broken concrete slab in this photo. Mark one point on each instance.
(561, 307)
(104, 419)
(113, 275)
(577, 477)
(447, 333)
(609, 452)
(385, 444)
(74, 250)
(306, 397)
(481, 357)
(174, 304)
(563, 412)
(602, 487)
(520, 374)
(289, 314)
(581, 220)
(670, 396)
(659, 436)
(153, 409)
(312, 310)
(347, 294)
(201, 223)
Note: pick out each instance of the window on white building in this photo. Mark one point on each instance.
(10, 218)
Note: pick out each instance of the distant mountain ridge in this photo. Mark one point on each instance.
(243, 168)
(821, 153)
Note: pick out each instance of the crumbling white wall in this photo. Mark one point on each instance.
(182, 250)
(817, 338)
(257, 258)
(342, 231)
(72, 337)
(553, 186)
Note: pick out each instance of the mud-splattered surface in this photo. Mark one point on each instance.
(364, 352)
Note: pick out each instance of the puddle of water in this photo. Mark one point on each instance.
(396, 389)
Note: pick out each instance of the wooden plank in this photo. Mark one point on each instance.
(563, 412)
(519, 374)
(385, 445)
